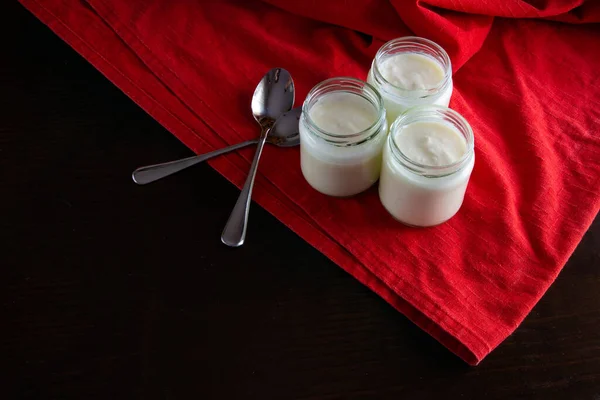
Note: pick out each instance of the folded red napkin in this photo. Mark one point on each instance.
(530, 88)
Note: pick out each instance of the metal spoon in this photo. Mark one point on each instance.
(284, 134)
(273, 96)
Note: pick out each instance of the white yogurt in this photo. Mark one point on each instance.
(411, 71)
(342, 133)
(431, 143)
(426, 167)
(342, 113)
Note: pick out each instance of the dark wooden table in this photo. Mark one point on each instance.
(110, 290)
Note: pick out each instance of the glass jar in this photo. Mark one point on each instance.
(342, 164)
(423, 195)
(398, 99)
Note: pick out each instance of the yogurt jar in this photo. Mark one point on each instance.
(411, 71)
(427, 162)
(343, 129)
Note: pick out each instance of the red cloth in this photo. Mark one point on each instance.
(529, 87)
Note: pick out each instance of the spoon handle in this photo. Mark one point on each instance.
(235, 229)
(151, 173)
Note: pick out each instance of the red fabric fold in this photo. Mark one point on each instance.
(529, 87)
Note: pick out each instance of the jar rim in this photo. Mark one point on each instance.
(349, 81)
(446, 64)
(428, 113)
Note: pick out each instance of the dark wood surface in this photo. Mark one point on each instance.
(110, 290)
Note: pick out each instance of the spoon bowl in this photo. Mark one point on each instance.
(286, 130)
(273, 96)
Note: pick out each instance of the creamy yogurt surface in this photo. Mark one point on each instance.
(431, 143)
(412, 71)
(343, 113)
